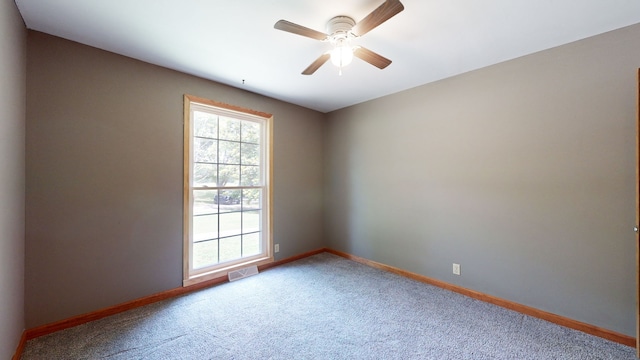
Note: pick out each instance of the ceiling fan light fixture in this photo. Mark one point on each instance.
(339, 29)
(342, 55)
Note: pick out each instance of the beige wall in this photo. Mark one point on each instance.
(522, 172)
(12, 124)
(104, 176)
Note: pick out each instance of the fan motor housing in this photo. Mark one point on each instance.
(340, 25)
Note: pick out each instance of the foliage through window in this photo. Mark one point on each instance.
(227, 200)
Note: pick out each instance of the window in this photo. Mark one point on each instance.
(227, 197)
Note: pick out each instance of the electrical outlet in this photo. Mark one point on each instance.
(456, 269)
(276, 248)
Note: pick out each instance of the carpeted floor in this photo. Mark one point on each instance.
(322, 307)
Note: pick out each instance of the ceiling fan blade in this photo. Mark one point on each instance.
(288, 26)
(316, 64)
(383, 13)
(372, 58)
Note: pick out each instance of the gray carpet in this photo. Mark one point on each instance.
(322, 307)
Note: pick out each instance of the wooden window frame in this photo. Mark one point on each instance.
(193, 276)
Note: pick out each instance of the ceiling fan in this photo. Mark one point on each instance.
(340, 31)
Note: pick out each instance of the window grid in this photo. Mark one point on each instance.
(242, 233)
(238, 178)
(241, 154)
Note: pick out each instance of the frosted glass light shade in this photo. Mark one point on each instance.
(342, 55)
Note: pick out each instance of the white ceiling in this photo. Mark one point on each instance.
(231, 41)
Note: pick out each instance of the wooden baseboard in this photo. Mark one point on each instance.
(116, 309)
(18, 354)
(527, 310)
(99, 314)
(290, 259)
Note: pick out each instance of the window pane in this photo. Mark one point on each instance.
(250, 132)
(205, 124)
(229, 129)
(228, 175)
(228, 200)
(205, 227)
(250, 176)
(205, 175)
(205, 150)
(204, 202)
(230, 248)
(250, 154)
(205, 254)
(251, 244)
(230, 224)
(229, 152)
(251, 199)
(250, 221)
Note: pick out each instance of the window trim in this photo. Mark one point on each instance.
(189, 277)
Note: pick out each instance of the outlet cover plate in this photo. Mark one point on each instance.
(456, 269)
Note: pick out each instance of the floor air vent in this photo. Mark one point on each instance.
(242, 273)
